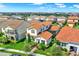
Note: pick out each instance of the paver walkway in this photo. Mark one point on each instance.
(72, 53)
(35, 48)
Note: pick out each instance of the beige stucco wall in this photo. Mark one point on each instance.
(71, 25)
(40, 38)
(71, 44)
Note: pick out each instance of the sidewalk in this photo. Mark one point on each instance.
(19, 51)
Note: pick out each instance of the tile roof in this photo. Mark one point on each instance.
(62, 17)
(53, 28)
(38, 25)
(46, 35)
(50, 17)
(62, 21)
(68, 34)
(46, 23)
(13, 23)
(71, 22)
(73, 18)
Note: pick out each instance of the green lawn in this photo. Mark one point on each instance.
(52, 51)
(76, 26)
(24, 45)
(14, 46)
(55, 23)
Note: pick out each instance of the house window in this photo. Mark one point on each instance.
(12, 38)
(42, 41)
(42, 29)
(32, 31)
(63, 44)
(46, 27)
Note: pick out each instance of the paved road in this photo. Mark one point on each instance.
(19, 51)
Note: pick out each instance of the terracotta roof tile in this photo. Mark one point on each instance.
(68, 34)
(50, 17)
(71, 22)
(46, 23)
(53, 28)
(46, 35)
(73, 17)
(38, 25)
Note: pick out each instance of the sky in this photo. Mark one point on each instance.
(39, 7)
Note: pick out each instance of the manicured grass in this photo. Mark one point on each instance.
(14, 46)
(52, 51)
(55, 23)
(76, 26)
(24, 45)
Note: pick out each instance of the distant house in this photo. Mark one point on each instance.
(44, 37)
(16, 17)
(52, 18)
(4, 17)
(72, 20)
(40, 18)
(61, 20)
(15, 29)
(69, 38)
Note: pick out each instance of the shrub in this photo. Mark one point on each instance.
(42, 46)
(1, 34)
(56, 41)
(64, 49)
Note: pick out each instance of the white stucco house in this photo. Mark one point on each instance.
(69, 38)
(72, 20)
(52, 18)
(44, 37)
(36, 27)
(61, 20)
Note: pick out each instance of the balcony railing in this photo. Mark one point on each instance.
(10, 32)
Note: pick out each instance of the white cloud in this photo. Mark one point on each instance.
(61, 5)
(2, 6)
(37, 3)
(76, 6)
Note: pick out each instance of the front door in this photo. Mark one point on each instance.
(72, 48)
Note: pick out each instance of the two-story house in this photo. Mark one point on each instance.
(72, 20)
(69, 38)
(36, 27)
(52, 18)
(61, 20)
(15, 29)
